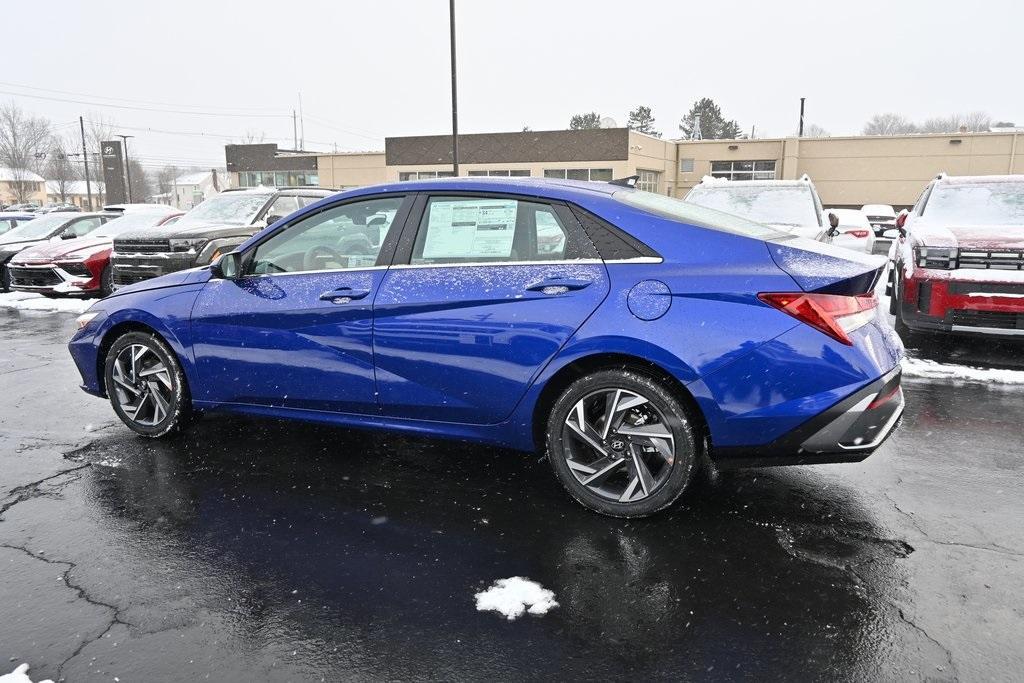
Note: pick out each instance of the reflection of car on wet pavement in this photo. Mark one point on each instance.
(625, 351)
(959, 266)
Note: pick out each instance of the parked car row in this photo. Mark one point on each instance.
(41, 209)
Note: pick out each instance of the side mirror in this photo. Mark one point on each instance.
(227, 267)
(273, 219)
(833, 220)
(891, 233)
(901, 222)
(68, 235)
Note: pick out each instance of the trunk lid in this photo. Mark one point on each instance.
(826, 269)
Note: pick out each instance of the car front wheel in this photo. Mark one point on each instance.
(146, 386)
(621, 443)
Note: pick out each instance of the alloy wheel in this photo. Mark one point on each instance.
(619, 445)
(143, 385)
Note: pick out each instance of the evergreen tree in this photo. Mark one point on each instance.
(713, 126)
(641, 120)
(585, 121)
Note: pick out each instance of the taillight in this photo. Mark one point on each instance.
(858, 233)
(834, 314)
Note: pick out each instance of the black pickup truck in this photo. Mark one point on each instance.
(214, 227)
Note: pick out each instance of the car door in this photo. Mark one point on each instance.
(295, 328)
(484, 292)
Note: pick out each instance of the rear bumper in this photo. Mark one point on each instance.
(946, 303)
(849, 431)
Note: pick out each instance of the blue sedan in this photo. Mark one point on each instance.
(628, 335)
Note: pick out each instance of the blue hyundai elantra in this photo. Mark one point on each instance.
(626, 334)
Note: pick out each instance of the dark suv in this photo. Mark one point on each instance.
(213, 227)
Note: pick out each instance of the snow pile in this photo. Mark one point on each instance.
(20, 675)
(929, 369)
(26, 301)
(514, 596)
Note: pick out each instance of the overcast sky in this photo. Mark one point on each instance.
(376, 68)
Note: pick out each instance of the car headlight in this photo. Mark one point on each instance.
(191, 245)
(86, 318)
(936, 258)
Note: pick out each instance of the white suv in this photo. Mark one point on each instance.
(792, 205)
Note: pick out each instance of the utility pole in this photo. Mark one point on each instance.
(800, 134)
(127, 166)
(455, 97)
(85, 158)
(302, 125)
(295, 132)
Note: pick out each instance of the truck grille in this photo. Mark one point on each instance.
(128, 246)
(998, 259)
(33, 277)
(1002, 321)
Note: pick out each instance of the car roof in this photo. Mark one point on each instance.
(16, 214)
(553, 188)
(978, 179)
(266, 189)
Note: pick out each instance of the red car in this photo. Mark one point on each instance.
(79, 267)
(959, 264)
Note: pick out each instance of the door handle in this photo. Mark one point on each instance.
(558, 285)
(343, 295)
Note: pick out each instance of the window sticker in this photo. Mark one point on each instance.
(470, 229)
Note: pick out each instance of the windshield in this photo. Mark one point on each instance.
(776, 205)
(129, 222)
(37, 228)
(977, 204)
(694, 214)
(232, 208)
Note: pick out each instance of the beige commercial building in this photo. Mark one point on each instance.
(848, 171)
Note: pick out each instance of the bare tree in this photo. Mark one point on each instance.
(972, 122)
(889, 124)
(142, 184)
(23, 141)
(60, 170)
(165, 178)
(813, 130)
(252, 137)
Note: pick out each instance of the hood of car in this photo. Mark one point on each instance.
(969, 236)
(191, 230)
(53, 251)
(12, 247)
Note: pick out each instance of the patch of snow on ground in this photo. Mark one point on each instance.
(20, 675)
(26, 301)
(929, 369)
(516, 595)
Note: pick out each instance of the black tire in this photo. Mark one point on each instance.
(5, 279)
(683, 447)
(106, 281)
(177, 412)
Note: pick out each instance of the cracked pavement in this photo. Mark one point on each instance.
(263, 550)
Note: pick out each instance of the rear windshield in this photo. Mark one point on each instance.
(131, 221)
(977, 204)
(694, 214)
(790, 206)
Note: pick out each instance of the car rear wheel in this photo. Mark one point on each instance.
(622, 444)
(146, 386)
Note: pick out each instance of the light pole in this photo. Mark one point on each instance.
(127, 166)
(455, 98)
(800, 133)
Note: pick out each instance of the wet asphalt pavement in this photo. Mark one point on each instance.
(258, 550)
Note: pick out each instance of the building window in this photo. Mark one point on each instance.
(423, 175)
(743, 170)
(592, 174)
(686, 165)
(648, 180)
(277, 178)
(516, 173)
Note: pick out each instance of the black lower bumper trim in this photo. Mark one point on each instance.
(849, 431)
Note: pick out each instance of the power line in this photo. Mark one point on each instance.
(150, 109)
(126, 99)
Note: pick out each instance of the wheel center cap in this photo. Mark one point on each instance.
(617, 445)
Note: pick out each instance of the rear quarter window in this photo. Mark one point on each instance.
(692, 214)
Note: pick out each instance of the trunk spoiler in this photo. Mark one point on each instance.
(825, 269)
